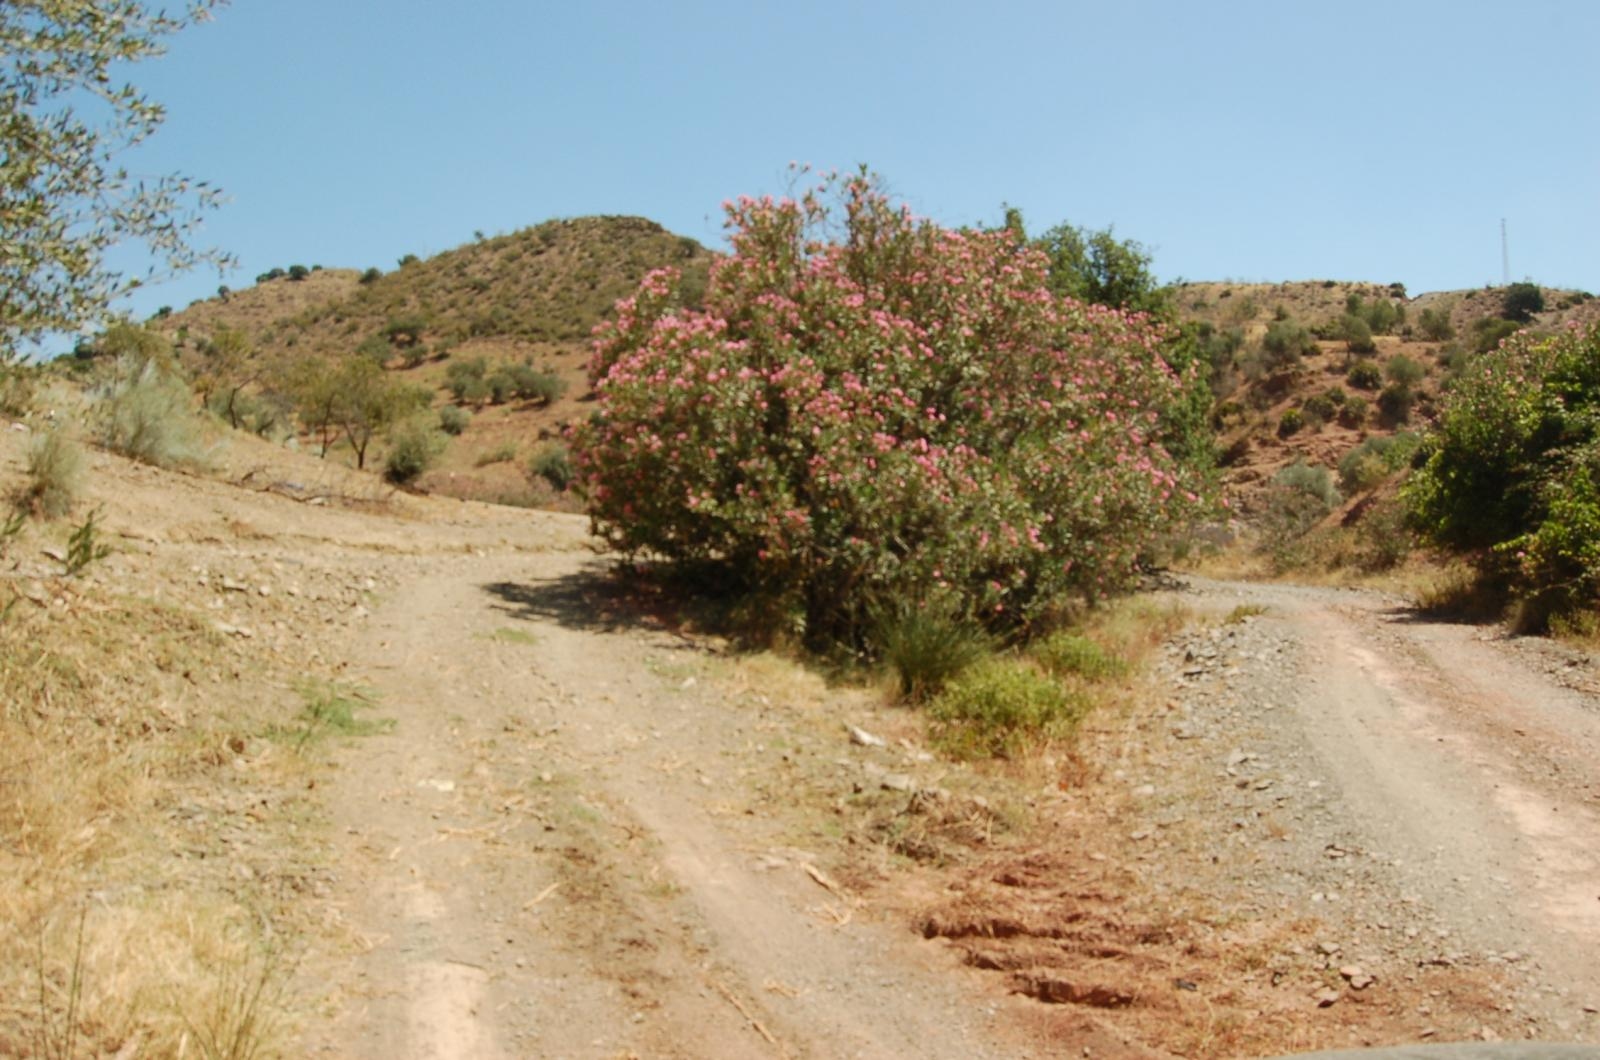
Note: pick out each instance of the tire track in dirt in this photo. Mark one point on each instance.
(541, 859)
(1467, 771)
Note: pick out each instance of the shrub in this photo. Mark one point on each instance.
(453, 419)
(1318, 409)
(372, 275)
(1357, 334)
(1435, 325)
(1394, 404)
(1403, 370)
(1290, 422)
(903, 409)
(413, 447)
(926, 643)
(530, 384)
(1384, 534)
(1313, 480)
(1285, 343)
(1301, 495)
(553, 463)
(405, 331)
(1521, 301)
(298, 272)
(1375, 459)
(1353, 413)
(1364, 375)
(1513, 469)
(1072, 655)
(409, 259)
(1001, 706)
(145, 415)
(55, 473)
(1490, 332)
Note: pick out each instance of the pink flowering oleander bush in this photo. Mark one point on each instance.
(870, 408)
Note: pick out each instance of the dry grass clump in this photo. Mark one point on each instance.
(115, 938)
(55, 474)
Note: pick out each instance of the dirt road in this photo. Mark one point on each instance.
(576, 842)
(550, 855)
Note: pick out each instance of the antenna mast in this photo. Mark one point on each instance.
(1505, 256)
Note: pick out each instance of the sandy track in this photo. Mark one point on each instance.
(542, 861)
(1464, 764)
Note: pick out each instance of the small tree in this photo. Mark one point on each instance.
(1521, 301)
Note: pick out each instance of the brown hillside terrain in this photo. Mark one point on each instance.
(529, 297)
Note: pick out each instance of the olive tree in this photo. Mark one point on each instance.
(65, 117)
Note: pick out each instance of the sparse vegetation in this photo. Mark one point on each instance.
(55, 473)
(145, 414)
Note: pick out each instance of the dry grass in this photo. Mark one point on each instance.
(125, 923)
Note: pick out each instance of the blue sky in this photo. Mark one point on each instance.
(1245, 141)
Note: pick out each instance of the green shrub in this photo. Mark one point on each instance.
(1521, 302)
(453, 419)
(55, 473)
(1301, 495)
(1353, 413)
(530, 384)
(298, 272)
(1318, 409)
(372, 275)
(1513, 470)
(1375, 459)
(1403, 370)
(1384, 536)
(406, 330)
(1364, 375)
(376, 348)
(1286, 343)
(1490, 332)
(413, 447)
(1395, 403)
(1435, 325)
(1357, 334)
(1290, 422)
(1313, 480)
(553, 463)
(145, 415)
(925, 644)
(1001, 707)
(1072, 655)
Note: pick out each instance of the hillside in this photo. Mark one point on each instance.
(531, 297)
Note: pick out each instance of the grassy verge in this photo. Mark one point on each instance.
(144, 878)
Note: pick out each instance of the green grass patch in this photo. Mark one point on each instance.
(1071, 655)
(509, 635)
(1001, 707)
(333, 708)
